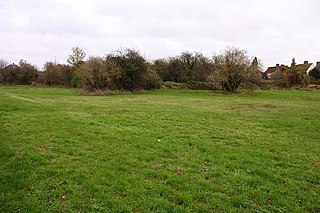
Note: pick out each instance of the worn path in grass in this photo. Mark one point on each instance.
(159, 151)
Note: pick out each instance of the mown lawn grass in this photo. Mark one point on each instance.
(161, 151)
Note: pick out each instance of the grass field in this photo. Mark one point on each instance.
(162, 151)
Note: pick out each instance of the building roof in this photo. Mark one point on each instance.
(11, 67)
(302, 68)
(276, 68)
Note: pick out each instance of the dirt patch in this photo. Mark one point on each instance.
(44, 149)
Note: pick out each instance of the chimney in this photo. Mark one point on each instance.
(305, 62)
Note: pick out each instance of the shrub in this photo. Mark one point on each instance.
(174, 85)
(231, 68)
(133, 66)
(152, 79)
(98, 74)
(198, 85)
(185, 67)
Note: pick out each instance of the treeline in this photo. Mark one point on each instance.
(129, 70)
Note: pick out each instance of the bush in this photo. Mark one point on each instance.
(133, 66)
(295, 79)
(233, 67)
(122, 70)
(266, 84)
(99, 74)
(152, 80)
(185, 67)
(198, 85)
(174, 85)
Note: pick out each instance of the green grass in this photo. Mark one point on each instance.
(161, 151)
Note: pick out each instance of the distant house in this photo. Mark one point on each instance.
(278, 68)
(9, 73)
(305, 68)
(12, 66)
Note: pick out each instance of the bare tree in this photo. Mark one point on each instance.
(230, 69)
(3, 63)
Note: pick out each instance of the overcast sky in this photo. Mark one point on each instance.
(272, 30)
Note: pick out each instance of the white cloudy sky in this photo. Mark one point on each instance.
(272, 30)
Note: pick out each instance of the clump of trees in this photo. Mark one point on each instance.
(184, 68)
(134, 67)
(55, 74)
(23, 73)
(122, 70)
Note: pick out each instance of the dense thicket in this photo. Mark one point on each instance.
(184, 68)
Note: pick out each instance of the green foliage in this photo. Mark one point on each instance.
(159, 151)
(198, 85)
(174, 85)
(75, 60)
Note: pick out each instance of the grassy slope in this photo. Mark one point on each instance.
(159, 151)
